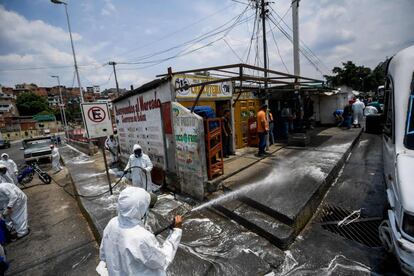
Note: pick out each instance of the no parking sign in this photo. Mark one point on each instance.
(97, 119)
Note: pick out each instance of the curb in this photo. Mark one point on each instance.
(216, 182)
(85, 213)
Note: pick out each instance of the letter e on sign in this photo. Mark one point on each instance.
(97, 119)
(96, 114)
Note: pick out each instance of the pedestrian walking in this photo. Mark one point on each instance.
(13, 206)
(11, 166)
(227, 133)
(357, 113)
(55, 159)
(111, 145)
(262, 129)
(140, 166)
(127, 247)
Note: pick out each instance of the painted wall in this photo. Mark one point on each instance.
(139, 120)
(190, 150)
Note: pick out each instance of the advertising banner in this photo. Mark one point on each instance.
(221, 90)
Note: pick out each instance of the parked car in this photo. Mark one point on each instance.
(397, 230)
(36, 149)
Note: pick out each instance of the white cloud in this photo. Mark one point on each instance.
(108, 8)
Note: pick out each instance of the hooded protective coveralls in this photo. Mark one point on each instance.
(11, 166)
(127, 247)
(358, 112)
(12, 197)
(56, 159)
(112, 146)
(137, 174)
(5, 176)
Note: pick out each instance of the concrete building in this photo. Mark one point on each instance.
(7, 104)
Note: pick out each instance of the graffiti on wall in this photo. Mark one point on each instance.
(190, 149)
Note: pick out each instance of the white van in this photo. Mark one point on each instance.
(397, 231)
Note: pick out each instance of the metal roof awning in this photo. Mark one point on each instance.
(245, 75)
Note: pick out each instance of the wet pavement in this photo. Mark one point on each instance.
(60, 242)
(213, 244)
(359, 186)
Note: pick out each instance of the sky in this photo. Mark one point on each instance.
(184, 34)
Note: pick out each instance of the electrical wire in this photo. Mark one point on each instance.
(278, 51)
(177, 31)
(187, 50)
(289, 37)
(192, 42)
(225, 41)
(304, 46)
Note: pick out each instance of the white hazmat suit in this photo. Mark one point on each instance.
(56, 159)
(358, 112)
(137, 174)
(127, 247)
(112, 146)
(12, 197)
(11, 166)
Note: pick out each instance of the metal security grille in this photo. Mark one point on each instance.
(351, 225)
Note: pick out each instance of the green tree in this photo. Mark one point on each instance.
(358, 77)
(30, 104)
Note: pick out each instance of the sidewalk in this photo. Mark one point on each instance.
(213, 244)
(60, 242)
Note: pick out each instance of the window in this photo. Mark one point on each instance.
(389, 108)
(409, 132)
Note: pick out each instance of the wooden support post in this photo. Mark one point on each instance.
(198, 97)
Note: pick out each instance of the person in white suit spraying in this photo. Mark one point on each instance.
(140, 166)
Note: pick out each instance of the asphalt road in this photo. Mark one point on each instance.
(60, 242)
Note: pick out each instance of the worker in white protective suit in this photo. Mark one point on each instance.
(5, 176)
(111, 144)
(55, 159)
(13, 205)
(127, 247)
(140, 177)
(11, 166)
(357, 112)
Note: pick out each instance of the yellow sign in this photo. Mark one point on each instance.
(219, 90)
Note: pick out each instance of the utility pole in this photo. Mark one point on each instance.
(263, 14)
(295, 23)
(113, 63)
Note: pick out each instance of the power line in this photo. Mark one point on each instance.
(177, 31)
(306, 48)
(188, 49)
(191, 42)
(278, 50)
(225, 41)
(289, 37)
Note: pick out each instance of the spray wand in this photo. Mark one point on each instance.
(171, 225)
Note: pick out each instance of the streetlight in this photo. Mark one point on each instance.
(71, 42)
(62, 108)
